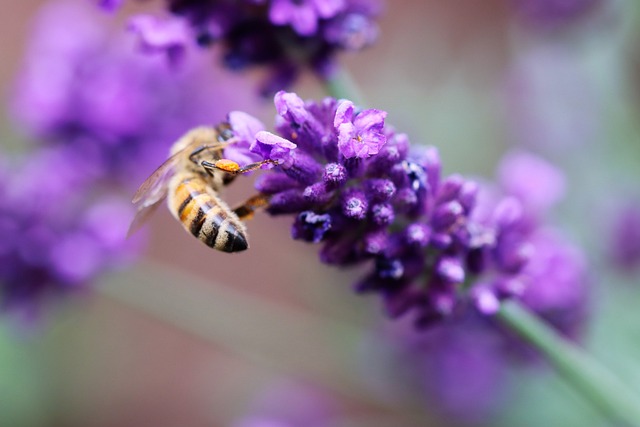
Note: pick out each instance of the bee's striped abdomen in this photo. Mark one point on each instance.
(205, 215)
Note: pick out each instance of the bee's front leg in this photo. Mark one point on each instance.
(248, 208)
(229, 166)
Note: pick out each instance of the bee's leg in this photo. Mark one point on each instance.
(229, 166)
(248, 208)
(217, 146)
(253, 166)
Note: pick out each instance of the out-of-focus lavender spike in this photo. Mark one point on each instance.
(54, 241)
(284, 36)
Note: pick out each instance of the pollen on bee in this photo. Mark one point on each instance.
(227, 165)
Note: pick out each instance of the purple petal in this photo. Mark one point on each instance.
(170, 36)
(304, 20)
(110, 5)
(450, 270)
(328, 8)
(534, 181)
(369, 119)
(280, 12)
(291, 107)
(244, 125)
(362, 136)
(485, 299)
(344, 113)
(271, 146)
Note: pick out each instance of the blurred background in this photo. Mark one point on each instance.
(179, 334)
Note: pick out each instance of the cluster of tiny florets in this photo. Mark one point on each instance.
(356, 186)
(285, 35)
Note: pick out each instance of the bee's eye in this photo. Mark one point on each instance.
(227, 134)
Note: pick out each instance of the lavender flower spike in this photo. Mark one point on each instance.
(285, 36)
(357, 187)
(53, 242)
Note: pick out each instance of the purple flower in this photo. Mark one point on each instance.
(170, 36)
(554, 13)
(54, 242)
(360, 135)
(553, 103)
(624, 240)
(271, 146)
(110, 5)
(291, 404)
(557, 282)
(533, 181)
(461, 365)
(254, 143)
(303, 15)
(283, 35)
(356, 187)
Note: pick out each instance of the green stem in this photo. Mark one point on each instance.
(341, 86)
(614, 398)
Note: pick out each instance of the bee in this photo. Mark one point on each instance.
(190, 179)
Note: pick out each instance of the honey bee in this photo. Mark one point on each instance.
(190, 179)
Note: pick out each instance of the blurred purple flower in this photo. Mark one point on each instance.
(170, 36)
(355, 186)
(110, 5)
(461, 366)
(553, 103)
(553, 276)
(119, 109)
(291, 404)
(557, 282)
(54, 242)
(554, 13)
(536, 183)
(624, 241)
(284, 35)
(303, 15)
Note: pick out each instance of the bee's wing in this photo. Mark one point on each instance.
(142, 215)
(154, 188)
(152, 191)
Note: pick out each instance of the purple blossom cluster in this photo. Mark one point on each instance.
(53, 241)
(285, 35)
(355, 185)
(291, 404)
(554, 280)
(624, 240)
(81, 88)
(460, 365)
(554, 13)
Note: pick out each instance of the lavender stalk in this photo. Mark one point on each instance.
(584, 373)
